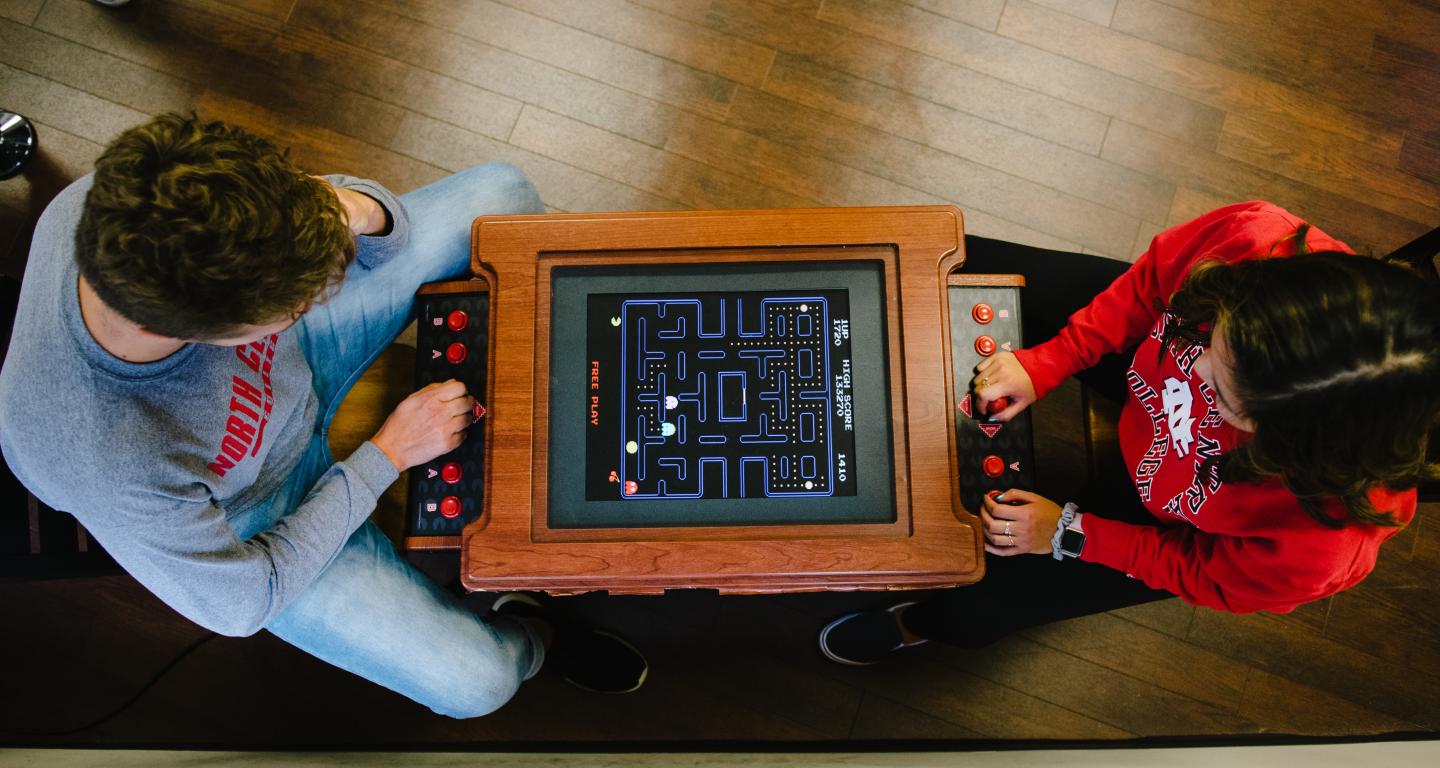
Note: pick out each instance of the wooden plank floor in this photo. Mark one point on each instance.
(1085, 125)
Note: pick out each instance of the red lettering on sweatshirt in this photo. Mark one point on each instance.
(250, 356)
(250, 405)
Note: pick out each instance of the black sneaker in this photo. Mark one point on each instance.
(586, 657)
(864, 637)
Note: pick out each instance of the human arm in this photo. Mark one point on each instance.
(1239, 574)
(361, 198)
(363, 213)
(185, 549)
(182, 546)
(1120, 316)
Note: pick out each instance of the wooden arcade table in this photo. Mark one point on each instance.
(746, 401)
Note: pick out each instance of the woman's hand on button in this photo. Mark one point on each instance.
(1001, 383)
(1018, 523)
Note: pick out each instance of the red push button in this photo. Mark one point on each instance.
(983, 313)
(993, 466)
(480, 411)
(455, 353)
(985, 346)
(457, 320)
(450, 506)
(451, 473)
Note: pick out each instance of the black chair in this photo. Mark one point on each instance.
(37, 542)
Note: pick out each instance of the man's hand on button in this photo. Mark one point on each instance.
(426, 425)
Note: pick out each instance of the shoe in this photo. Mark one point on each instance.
(586, 657)
(865, 637)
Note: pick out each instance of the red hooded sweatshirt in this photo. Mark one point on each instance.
(1233, 546)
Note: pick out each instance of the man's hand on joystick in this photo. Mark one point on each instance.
(1002, 387)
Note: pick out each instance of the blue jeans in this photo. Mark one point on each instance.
(369, 611)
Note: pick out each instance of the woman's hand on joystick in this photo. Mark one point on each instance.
(1002, 387)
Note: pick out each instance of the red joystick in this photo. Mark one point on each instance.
(457, 320)
(450, 506)
(985, 346)
(455, 353)
(993, 466)
(982, 313)
(451, 473)
(997, 405)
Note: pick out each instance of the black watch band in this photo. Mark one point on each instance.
(1072, 542)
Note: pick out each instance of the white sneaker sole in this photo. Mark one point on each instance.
(825, 633)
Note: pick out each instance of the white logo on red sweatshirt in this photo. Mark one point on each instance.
(1172, 410)
(1177, 402)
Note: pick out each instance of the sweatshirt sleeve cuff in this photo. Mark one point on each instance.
(1045, 375)
(375, 250)
(371, 466)
(1110, 543)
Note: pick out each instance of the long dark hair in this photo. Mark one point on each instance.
(1336, 364)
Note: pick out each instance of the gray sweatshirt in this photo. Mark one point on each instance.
(152, 457)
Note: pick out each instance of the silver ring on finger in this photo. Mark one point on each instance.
(1012, 540)
(1007, 529)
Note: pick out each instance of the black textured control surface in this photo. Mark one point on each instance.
(426, 509)
(975, 437)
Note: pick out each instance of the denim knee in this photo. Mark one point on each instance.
(513, 186)
(477, 696)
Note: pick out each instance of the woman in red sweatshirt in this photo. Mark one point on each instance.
(1278, 391)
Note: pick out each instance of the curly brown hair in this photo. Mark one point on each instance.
(193, 229)
(1336, 364)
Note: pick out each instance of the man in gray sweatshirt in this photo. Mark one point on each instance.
(192, 314)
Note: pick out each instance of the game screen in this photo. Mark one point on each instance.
(719, 395)
(710, 395)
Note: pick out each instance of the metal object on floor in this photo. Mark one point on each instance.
(18, 143)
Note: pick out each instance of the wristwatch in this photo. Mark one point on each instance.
(1072, 539)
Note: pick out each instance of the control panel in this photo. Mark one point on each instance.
(452, 342)
(985, 321)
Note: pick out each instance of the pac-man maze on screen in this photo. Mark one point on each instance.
(736, 395)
